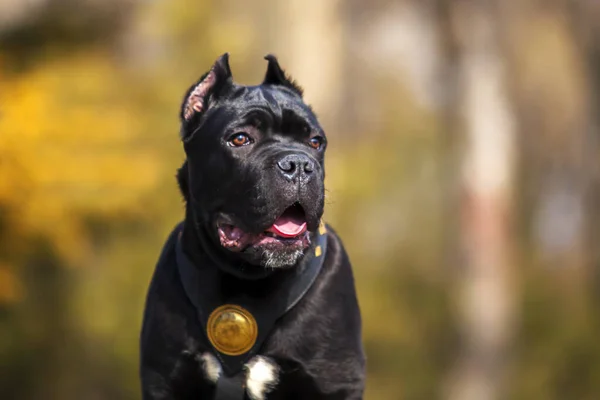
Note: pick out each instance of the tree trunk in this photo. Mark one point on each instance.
(486, 161)
(310, 41)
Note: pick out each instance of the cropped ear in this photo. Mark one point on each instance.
(276, 76)
(211, 83)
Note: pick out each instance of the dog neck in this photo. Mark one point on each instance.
(210, 288)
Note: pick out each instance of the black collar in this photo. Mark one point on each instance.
(206, 287)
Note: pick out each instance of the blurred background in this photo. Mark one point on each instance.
(463, 176)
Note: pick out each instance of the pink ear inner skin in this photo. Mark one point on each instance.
(195, 101)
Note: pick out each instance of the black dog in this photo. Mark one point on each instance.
(252, 296)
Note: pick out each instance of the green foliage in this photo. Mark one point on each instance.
(88, 152)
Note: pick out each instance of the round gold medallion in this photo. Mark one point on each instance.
(232, 330)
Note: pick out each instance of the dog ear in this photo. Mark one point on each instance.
(211, 83)
(276, 76)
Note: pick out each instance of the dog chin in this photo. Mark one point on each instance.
(274, 255)
(280, 258)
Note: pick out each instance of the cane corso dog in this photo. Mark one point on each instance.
(253, 296)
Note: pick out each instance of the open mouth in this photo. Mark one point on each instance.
(287, 230)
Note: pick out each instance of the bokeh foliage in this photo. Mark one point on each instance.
(88, 152)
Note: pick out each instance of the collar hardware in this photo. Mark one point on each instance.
(232, 329)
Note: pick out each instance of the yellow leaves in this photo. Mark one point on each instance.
(71, 144)
(11, 289)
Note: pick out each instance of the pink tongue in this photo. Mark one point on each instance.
(288, 226)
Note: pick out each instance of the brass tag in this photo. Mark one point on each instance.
(322, 228)
(318, 251)
(232, 330)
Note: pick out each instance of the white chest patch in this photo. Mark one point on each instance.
(211, 367)
(262, 374)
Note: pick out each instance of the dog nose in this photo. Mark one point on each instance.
(294, 165)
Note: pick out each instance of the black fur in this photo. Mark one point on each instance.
(317, 343)
(277, 76)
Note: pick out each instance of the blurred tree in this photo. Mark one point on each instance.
(486, 151)
(584, 22)
(70, 152)
(310, 36)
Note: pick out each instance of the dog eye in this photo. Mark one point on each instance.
(239, 139)
(316, 142)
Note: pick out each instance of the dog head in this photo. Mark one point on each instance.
(254, 170)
